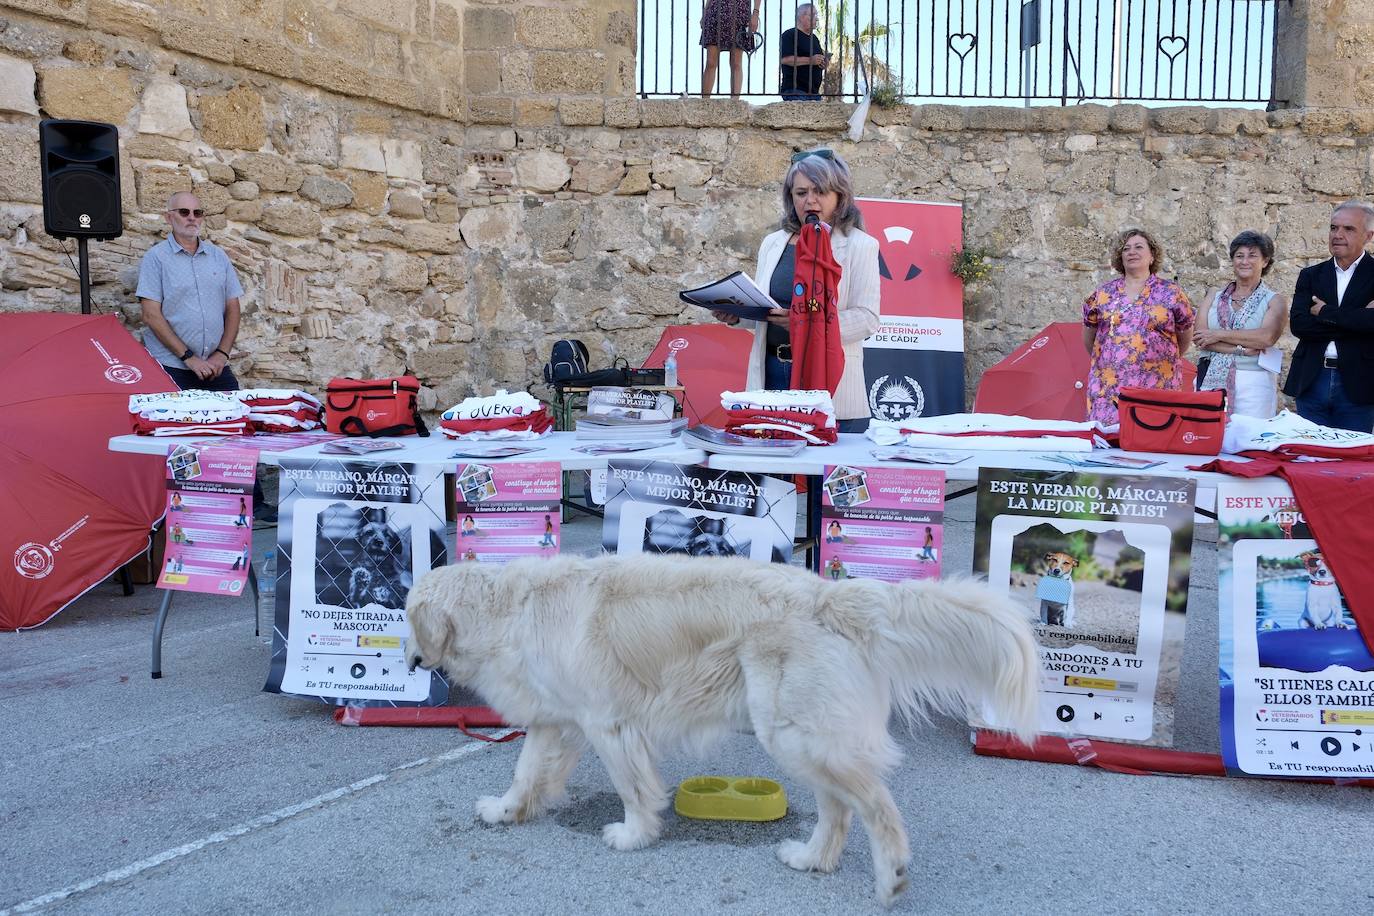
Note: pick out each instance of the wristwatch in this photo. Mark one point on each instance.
(187, 355)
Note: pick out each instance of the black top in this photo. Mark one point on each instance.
(780, 288)
(796, 43)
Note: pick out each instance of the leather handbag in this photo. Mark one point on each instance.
(374, 407)
(1177, 422)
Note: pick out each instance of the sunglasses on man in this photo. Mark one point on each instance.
(184, 212)
(823, 153)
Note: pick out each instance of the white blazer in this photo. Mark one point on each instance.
(857, 254)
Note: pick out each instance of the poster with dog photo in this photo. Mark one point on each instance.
(1101, 563)
(661, 507)
(209, 523)
(1297, 679)
(353, 537)
(881, 523)
(507, 511)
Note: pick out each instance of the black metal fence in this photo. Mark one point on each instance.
(1033, 51)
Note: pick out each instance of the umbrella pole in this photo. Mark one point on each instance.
(157, 632)
(83, 259)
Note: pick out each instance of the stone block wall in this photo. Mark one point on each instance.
(478, 180)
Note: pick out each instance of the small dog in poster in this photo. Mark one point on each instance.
(1055, 589)
(1322, 606)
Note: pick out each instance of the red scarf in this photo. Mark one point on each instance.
(814, 325)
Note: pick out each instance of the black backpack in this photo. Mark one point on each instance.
(568, 359)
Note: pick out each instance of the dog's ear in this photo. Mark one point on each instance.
(1047, 557)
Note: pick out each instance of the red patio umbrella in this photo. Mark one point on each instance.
(814, 323)
(711, 358)
(74, 511)
(1046, 378)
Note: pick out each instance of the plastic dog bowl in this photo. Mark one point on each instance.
(730, 798)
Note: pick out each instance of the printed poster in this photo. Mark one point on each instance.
(1297, 680)
(1101, 563)
(661, 507)
(914, 363)
(353, 539)
(507, 511)
(882, 523)
(209, 522)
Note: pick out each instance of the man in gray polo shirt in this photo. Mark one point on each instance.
(190, 298)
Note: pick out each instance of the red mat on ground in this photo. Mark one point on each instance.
(459, 717)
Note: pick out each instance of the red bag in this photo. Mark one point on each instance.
(1180, 422)
(373, 407)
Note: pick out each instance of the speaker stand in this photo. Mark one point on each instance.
(83, 261)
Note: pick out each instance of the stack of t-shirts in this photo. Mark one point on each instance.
(281, 410)
(1290, 435)
(805, 415)
(989, 432)
(501, 416)
(189, 413)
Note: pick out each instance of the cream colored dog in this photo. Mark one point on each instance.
(642, 655)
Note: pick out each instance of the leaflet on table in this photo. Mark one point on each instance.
(359, 447)
(619, 448)
(663, 507)
(284, 442)
(492, 450)
(353, 538)
(1102, 562)
(631, 403)
(714, 439)
(1123, 462)
(209, 523)
(920, 455)
(507, 511)
(1297, 680)
(881, 523)
(736, 294)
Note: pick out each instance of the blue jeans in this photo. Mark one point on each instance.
(796, 95)
(1325, 402)
(777, 373)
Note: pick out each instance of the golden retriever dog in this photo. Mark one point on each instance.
(644, 655)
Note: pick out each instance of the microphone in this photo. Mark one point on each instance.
(812, 218)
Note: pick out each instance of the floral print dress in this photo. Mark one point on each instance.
(1137, 341)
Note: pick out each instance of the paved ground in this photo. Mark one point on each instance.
(199, 793)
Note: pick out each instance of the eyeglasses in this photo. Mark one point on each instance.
(183, 212)
(823, 153)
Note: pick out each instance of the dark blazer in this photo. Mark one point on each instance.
(1351, 326)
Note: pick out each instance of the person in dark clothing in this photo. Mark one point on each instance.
(802, 58)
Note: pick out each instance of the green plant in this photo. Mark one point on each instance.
(886, 94)
(970, 264)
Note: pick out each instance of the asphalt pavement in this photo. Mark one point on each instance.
(199, 793)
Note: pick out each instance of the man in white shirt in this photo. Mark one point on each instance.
(1332, 373)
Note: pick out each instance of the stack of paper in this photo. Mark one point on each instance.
(610, 429)
(715, 439)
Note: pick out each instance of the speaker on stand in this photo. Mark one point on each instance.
(80, 170)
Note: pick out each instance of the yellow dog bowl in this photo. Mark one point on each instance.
(730, 798)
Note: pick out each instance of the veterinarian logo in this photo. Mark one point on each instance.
(33, 561)
(898, 399)
(1190, 437)
(677, 343)
(118, 372)
(1039, 343)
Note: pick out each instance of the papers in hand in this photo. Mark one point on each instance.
(357, 446)
(919, 455)
(717, 440)
(736, 295)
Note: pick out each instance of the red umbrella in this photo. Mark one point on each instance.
(814, 325)
(1046, 378)
(711, 358)
(74, 511)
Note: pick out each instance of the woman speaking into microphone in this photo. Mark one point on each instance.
(818, 198)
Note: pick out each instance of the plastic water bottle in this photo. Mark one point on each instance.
(267, 596)
(670, 369)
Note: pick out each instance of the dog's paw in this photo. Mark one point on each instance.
(799, 855)
(494, 810)
(623, 837)
(892, 885)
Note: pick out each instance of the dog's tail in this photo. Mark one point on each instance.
(950, 646)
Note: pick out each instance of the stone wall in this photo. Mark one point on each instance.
(448, 187)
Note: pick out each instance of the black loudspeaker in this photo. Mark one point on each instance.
(80, 162)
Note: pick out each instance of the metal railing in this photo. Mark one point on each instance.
(1029, 51)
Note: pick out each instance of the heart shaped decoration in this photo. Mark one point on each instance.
(1172, 46)
(962, 42)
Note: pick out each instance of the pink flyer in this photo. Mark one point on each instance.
(507, 511)
(209, 523)
(882, 523)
